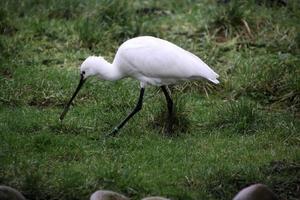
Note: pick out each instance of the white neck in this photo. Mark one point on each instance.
(108, 71)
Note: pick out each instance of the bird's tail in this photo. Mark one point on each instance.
(215, 81)
(214, 78)
(210, 74)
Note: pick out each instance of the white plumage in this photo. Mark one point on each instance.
(152, 61)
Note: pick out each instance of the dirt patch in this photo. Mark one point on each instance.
(45, 102)
(6, 73)
(152, 11)
(180, 121)
(285, 178)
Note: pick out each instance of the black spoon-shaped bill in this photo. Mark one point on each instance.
(81, 82)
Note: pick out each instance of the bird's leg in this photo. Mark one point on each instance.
(137, 108)
(170, 109)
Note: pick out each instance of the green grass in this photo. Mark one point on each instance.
(243, 131)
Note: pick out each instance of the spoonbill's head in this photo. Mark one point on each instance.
(87, 68)
(91, 66)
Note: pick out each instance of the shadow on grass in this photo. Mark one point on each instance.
(181, 123)
(281, 176)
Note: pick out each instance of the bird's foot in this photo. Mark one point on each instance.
(169, 129)
(113, 132)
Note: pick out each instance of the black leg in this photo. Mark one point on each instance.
(137, 108)
(170, 109)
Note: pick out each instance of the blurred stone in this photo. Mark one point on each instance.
(107, 195)
(9, 193)
(256, 192)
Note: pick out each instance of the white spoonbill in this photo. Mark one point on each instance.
(150, 60)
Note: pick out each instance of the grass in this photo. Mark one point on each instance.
(243, 131)
(243, 116)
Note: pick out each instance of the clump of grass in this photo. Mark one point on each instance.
(267, 78)
(241, 116)
(231, 19)
(68, 9)
(151, 11)
(223, 184)
(275, 81)
(281, 176)
(272, 3)
(277, 172)
(181, 123)
(3, 48)
(203, 86)
(6, 27)
(112, 19)
(32, 181)
(88, 32)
